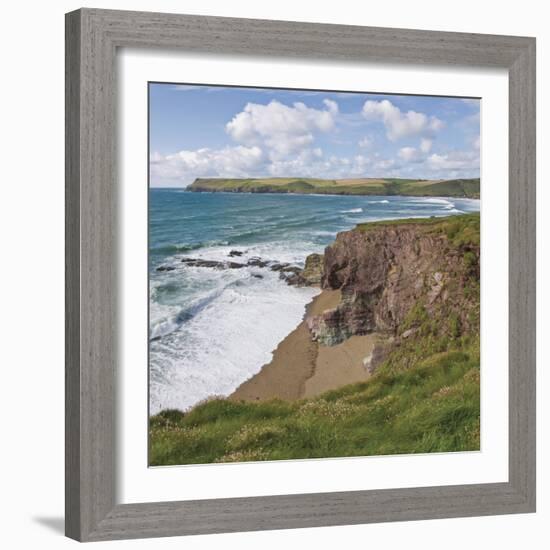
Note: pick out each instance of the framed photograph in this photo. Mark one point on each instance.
(300, 275)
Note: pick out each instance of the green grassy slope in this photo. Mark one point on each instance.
(431, 407)
(359, 186)
(423, 398)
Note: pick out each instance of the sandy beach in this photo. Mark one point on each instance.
(302, 368)
(336, 366)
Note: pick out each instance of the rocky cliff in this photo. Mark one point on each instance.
(398, 277)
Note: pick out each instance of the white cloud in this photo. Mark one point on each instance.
(454, 160)
(383, 165)
(426, 145)
(282, 129)
(365, 142)
(312, 163)
(331, 105)
(359, 165)
(477, 143)
(305, 163)
(409, 154)
(400, 124)
(279, 140)
(184, 166)
(412, 154)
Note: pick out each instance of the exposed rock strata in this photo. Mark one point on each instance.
(383, 272)
(313, 269)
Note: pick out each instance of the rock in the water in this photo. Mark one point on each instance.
(166, 268)
(198, 262)
(233, 253)
(294, 270)
(278, 266)
(296, 276)
(255, 261)
(291, 274)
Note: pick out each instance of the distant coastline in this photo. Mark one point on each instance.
(455, 188)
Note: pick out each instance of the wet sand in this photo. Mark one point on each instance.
(303, 368)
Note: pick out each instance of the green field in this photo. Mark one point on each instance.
(468, 188)
(425, 397)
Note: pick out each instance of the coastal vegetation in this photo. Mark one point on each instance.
(468, 188)
(415, 283)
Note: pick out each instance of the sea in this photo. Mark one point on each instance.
(211, 329)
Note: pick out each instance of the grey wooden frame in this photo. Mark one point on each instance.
(92, 39)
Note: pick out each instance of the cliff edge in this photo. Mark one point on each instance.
(403, 277)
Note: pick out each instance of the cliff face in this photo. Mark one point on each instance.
(393, 275)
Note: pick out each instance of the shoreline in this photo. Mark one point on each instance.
(302, 368)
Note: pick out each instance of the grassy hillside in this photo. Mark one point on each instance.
(461, 231)
(359, 186)
(423, 398)
(431, 407)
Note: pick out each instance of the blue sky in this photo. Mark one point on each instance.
(205, 131)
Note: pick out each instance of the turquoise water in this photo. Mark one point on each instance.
(212, 329)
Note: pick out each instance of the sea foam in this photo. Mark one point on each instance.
(352, 211)
(220, 339)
